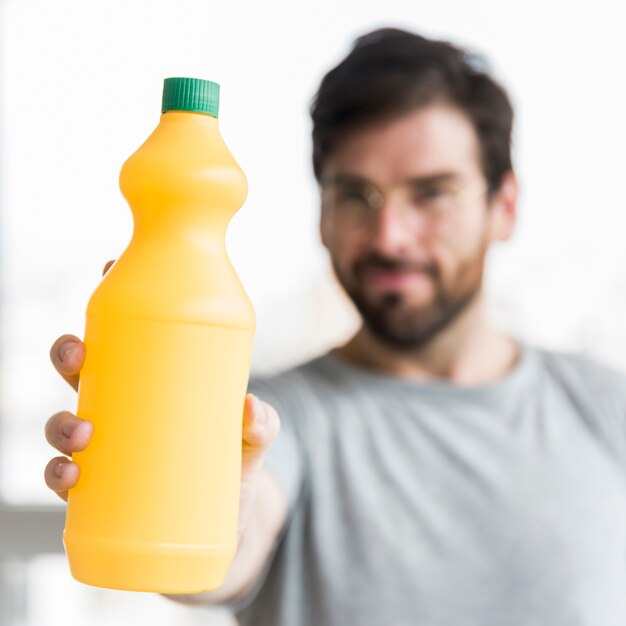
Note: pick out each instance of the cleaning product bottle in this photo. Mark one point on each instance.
(168, 336)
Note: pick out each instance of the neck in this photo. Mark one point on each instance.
(469, 352)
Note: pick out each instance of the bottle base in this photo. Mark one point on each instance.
(156, 568)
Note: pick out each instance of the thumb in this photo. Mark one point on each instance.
(260, 427)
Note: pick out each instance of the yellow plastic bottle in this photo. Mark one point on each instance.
(168, 336)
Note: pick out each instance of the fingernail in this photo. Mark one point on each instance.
(58, 469)
(65, 349)
(86, 428)
(261, 412)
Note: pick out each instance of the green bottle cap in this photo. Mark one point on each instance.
(191, 94)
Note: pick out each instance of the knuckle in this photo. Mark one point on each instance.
(258, 433)
(54, 350)
(54, 430)
(52, 427)
(270, 411)
(62, 364)
(256, 438)
(274, 423)
(51, 479)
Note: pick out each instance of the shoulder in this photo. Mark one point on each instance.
(579, 387)
(596, 393)
(585, 373)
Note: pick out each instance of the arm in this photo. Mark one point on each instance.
(267, 517)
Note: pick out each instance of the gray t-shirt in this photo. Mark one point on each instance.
(429, 504)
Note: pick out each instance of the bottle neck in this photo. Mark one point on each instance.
(189, 117)
(183, 178)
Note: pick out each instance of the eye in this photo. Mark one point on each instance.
(430, 193)
(350, 196)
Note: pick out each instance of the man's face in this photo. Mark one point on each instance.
(407, 221)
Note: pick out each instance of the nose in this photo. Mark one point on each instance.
(395, 229)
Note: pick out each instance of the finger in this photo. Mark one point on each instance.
(107, 266)
(68, 433)
(68, 355)
(260, 426)
(61, 474)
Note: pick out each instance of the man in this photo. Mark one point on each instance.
(432, 471)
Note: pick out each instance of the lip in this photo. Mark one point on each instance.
(385, 279)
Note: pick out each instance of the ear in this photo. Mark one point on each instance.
(504, 208)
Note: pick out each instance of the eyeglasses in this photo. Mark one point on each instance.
(354, 202)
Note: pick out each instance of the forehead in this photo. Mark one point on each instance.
(426, 141)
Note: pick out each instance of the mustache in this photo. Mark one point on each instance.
(376, 261)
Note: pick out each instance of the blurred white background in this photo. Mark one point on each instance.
(80, 89)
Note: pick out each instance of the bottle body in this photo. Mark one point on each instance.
(169, 335)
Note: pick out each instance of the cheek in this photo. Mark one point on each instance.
(343, 250)
(463, 235)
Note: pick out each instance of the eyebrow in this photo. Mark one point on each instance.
(441, 177)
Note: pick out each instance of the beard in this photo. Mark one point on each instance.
(393, 319)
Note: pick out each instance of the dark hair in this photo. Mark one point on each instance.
(389, 72)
